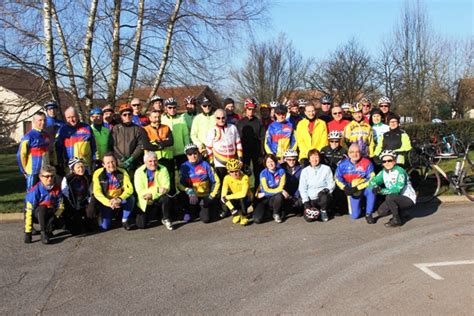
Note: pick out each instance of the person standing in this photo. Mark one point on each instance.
(230, 116)
(252, 135)
(359, 132)
(127, 140)
(52, 126)
(311, 133)
(396, 140)
(156, 103)
(190, 114)
(102, 135)
(138, 118)
(280, 134)
(33, 152)
(325, 112)
(75, 139)
(338, 122)
(384, 106)
(201, 126)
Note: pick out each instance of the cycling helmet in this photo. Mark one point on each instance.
(125, 107)
(325, 99)
(311, 214)
(170, 101)
(334, 135)
(205, 101)
(388, 153)
(385, 100)
(302, 103)
(96, 111)
(346, 106)
(156, 98)
(281, 109)
(250, 103)
(51, 105)
(232, 165)
(190, 100)
(290, 153)
(356, 107)
(190, 148)
(73, 161)
(291, 103)
(264, 106)
(108, 108)
(274, 104)
(366, 100)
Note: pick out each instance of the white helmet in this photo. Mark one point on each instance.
(388, 153)
(274, 104)
(383, 100)
(334, 135)
(290, 153)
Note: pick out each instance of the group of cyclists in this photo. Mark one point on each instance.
(311, 159)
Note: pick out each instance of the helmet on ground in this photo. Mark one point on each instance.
(325, 99)
(125, 107)
(189, 148)
(310, 214)
(96, 111)
(190, 100)
(334, 135)
(156, 98)
(290, 153)
(51, 105)
(388, 153)
(233, 165)
(384, 100)
(274, 104)
(356, 107)
(170, 101)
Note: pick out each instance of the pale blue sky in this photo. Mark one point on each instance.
(317, 27)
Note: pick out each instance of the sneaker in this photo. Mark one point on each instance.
(277, 218)
(369, 218)
(324, 216)
(186, 218)
(236, 219)
(167, 224)
(44, 238)
(126, 225)
(244, 221)
(27, 239)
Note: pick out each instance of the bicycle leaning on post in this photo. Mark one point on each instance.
(426, 175)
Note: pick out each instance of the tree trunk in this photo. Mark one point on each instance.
(138, 44)
(166, 48)
(49, 52)
(114, 72)
(88, 77)
(67, 59)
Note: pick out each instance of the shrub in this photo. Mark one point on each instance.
(425, 132)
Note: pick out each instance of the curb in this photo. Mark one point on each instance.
(16, 217)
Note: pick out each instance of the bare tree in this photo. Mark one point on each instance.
(387, 72)
(87, 63)
(138, 41)
(347, 75)
(49, 53)
(272, 71)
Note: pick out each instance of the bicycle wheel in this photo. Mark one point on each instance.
(466, 181)
(459, 148)
(426, 182)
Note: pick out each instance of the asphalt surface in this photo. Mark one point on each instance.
(339, 267)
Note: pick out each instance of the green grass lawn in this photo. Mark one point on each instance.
(12, 185)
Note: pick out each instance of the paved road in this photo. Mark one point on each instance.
(338, 267)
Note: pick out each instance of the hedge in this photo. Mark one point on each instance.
(424, 132)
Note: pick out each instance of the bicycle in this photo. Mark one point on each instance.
(426, 175)
(449, 147)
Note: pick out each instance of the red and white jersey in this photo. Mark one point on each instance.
(223, 143)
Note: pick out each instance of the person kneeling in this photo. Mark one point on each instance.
(316, 186)
(152, 182)
(113, 191)
(235, 195)
(399, 194)
(42, 205)
(199, 184)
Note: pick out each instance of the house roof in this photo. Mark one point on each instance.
(179, 93)
(31, 87)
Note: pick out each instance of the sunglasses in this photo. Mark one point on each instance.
(48, 176)
(383, 106)
(366, 105)
(126, 114)
(326, 103)
(220, 118)
(135, 104)
(386, 161)
(334, 141)
(205, 105)
(171, 107)
(192, 154)
(290, 159)
(337, 113)
(234, 171)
